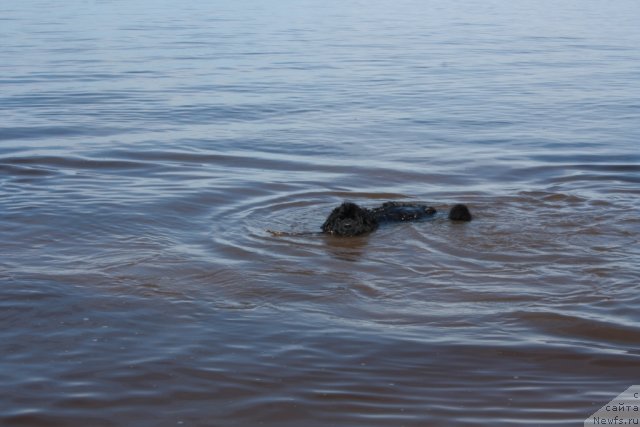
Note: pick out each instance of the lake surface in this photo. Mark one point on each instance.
(147, 147)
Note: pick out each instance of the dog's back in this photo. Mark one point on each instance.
(399, 211)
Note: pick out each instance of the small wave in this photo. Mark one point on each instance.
(606, 332)
(44, 132)
(56, 162)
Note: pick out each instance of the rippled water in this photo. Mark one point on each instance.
(147, 147)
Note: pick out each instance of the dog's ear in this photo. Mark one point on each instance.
(460, 212)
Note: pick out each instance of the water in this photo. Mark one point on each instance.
(147, 147)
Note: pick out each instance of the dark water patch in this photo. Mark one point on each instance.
(22, 171)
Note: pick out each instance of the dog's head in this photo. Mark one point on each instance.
(349, 219)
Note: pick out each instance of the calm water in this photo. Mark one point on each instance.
(146, 147)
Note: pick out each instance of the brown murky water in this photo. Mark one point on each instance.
(146, 150)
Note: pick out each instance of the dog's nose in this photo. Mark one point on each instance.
(347, 224)
(346, 228)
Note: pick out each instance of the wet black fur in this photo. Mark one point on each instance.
(349, 219)
(460, 213)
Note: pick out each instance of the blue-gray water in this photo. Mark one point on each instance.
(146, 147)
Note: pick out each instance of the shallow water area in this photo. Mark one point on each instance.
(165, 170)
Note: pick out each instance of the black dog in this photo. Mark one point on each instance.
(349, 219)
